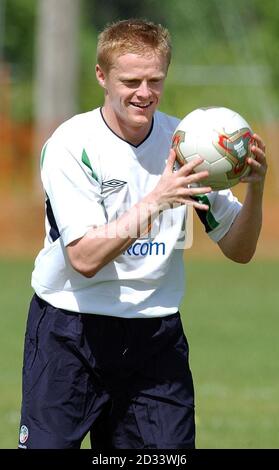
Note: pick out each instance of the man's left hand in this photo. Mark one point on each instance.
(258, 163)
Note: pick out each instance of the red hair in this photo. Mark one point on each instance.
(132, 36)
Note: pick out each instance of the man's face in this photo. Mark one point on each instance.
(133, 89)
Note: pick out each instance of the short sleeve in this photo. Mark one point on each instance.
(72, 189)
(223, 209)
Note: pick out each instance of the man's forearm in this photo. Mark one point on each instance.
(239, 244)
(103, 244)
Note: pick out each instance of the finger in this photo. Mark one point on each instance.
(258, 152)
(259, 141)
(257, 172)
(196, 177)
(190, 166)
(251, 179)
(170, 161)
(197, 205)
(192, 191)
(258, 166)
(254, 164)
(193, 203)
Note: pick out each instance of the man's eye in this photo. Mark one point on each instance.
(131, 83)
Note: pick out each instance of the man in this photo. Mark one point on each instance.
(105, 350)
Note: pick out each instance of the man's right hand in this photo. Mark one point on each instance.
(174, 187)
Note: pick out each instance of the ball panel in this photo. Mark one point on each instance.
(221, 167)
(209, 152)
(189, 146)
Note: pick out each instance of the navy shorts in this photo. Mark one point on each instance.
(127, 381)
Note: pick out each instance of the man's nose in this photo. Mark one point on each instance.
(144, 90)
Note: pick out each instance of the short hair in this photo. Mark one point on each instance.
(135, 36)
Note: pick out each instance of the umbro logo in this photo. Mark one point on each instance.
(114, 183)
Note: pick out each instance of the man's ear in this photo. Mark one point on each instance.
(100, 75)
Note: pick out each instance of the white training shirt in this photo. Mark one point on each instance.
(90, 177)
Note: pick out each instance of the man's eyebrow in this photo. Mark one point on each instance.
(132, 79)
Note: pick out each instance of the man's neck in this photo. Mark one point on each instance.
(131, 134)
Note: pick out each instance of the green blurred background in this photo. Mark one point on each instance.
(224, 53)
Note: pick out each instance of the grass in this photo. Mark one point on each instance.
(231, 320)
(230, 315)
(15, 294)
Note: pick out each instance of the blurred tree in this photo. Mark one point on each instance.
(57, 64)
(57, 61)
(18, 41)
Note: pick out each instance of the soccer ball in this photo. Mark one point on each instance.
(222, 138)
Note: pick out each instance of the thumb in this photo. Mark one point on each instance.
(170, 161)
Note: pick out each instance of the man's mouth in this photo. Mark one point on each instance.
(141, 105)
